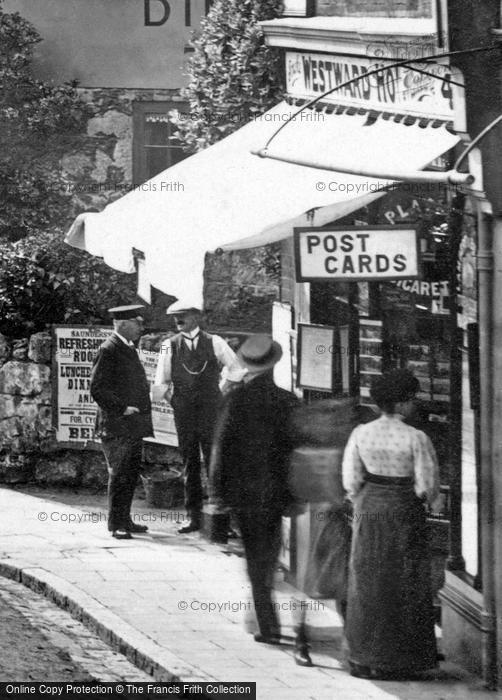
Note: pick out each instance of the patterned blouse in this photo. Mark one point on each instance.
(389, 447)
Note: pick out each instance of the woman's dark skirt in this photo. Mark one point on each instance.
(390, 619)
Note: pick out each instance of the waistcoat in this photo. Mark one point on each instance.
(195, 373)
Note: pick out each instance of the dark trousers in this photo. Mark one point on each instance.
(195, 428)
(261, 535)
(123, 459)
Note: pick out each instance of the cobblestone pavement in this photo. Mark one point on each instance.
(174, 605)
(40, 642)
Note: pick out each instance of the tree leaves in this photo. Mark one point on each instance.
(35, 119)
(44, 281)
(232, 75)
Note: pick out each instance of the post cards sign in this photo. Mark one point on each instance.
(356, 253)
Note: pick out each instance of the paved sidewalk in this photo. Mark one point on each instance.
(175, 605)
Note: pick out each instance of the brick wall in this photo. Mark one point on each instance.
(374, 8)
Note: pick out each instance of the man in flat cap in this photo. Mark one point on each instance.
(188, 375)
(120, 388)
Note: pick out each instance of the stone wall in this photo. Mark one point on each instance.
(239, 289)
(29, 452)
(99, 164)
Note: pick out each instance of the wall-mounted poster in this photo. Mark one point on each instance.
(74, 349)
(162, 413)
(316, 350)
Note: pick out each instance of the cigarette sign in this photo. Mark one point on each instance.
(356, 253)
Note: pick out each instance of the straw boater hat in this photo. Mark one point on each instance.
(259, 353)
(182, 306)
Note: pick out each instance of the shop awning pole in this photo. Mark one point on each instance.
(485, 265)
(452, 177)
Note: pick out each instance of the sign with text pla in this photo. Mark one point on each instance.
(356, 253)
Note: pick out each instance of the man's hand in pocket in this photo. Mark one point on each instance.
(131, 410)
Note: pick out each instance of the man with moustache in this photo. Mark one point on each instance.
(188, 375)
(120, 388)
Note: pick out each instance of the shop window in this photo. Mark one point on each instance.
(154, 148)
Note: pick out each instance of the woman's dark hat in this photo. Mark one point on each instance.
(123, 313)
(392, 387)
(259, 353)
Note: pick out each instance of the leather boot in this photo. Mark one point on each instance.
(194, 523)
(302, 656)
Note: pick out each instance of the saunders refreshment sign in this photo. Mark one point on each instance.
(356, 253)
(74, 410)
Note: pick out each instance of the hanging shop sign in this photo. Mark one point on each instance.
(356, 253)
(74, 350)
(395, 89)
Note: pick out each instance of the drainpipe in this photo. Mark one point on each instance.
(485, 266)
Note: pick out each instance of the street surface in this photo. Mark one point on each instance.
(41, 642)
(174, 604)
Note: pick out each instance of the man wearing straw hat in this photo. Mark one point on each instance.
(188, 375)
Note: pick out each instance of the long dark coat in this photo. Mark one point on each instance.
(252, 448)
(118, 380)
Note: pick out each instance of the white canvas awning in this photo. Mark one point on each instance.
(225, 197)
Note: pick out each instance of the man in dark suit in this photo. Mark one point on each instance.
(249, 470)
(120, 388)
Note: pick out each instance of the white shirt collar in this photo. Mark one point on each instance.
(124, 340)
(191, 334)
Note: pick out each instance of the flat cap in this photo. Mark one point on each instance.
(122, 313)
(182, 306)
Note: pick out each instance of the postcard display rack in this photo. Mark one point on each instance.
(430, 363)
(370, 357)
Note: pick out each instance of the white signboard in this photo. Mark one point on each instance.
(355, 253)
(282, 317)
(162, 413)
(395, 89)
(316, 353)
(74, 349)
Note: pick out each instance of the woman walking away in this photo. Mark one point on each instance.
(390, 471)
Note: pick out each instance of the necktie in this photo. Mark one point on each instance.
(192, 341)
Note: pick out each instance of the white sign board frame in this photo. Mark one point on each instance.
(316, 353)
(397, 89)
(356, 253)
(74, 410)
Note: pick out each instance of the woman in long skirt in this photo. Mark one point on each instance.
(390, 471)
